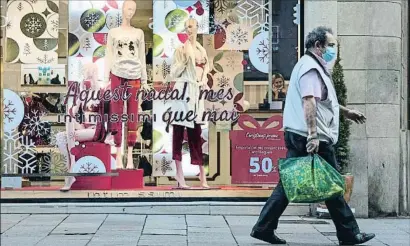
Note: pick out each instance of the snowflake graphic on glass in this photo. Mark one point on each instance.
(263, 51)
(165, 165)
(9, 110)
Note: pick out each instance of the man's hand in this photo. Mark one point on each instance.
(312, 145)
(355, 116)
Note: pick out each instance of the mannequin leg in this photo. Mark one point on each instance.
(132, 124)
(177, 138)
(118, 159)
(62, 144)
(195, 149)
(116, 107)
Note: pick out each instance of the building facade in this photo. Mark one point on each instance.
(373, 37)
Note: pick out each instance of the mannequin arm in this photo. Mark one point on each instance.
(204, 82)
(142, 57)
(108, 57)
(179, 63)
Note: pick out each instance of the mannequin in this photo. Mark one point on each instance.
(125, 63)
(80, 132)
(190, 66)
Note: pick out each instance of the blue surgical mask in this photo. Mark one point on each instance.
(329, 54)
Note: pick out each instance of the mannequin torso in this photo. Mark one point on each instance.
(127, 53)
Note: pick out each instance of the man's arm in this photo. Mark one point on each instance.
(344, 110)
(309, 108)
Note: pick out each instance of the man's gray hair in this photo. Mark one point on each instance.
(317, 35)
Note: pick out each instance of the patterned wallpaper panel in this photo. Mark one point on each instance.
(32, 31)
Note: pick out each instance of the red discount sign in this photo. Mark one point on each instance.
(256, 150)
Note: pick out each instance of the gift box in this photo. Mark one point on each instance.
(256, 149)
(92, 158)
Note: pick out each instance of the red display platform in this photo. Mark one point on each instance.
(128, 179)
(100, 151)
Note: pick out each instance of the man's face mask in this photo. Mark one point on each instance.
(329, 54)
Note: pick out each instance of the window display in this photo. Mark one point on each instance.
(147, 96)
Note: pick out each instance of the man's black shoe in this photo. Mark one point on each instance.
(269, 238)
(358, 239)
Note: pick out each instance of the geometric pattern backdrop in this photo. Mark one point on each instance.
(32, 31)
(89, 23)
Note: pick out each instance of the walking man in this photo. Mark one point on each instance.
(311, 122)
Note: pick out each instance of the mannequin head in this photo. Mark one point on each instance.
(90, 76)
(128, 10)
(191, 28)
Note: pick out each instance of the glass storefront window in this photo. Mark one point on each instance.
(58, 134)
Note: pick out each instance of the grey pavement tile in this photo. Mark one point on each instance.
(241, 220)
(206, 221)
(306, 239)
(124, 239)
(193, 229)
(164, 232)
(43, 219)
(248, 240)
(211, 238)
(54, 242)
(20, 241)
(120, 227)
(118, 234)
(63, 237)
(28, 231)
(162, 240)
(12, 218)
(125, 218)
(89, 218)
(111, 243)
(5, 226)
(296, 228)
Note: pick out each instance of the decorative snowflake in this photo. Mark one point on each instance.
(216, 25)
(175, 20)
(116, 20)
(223, 81)
(58, 163)
(164, 165)
(164, 69)
(33, 25)
(89, 168)
(73, 136)
(231, 62)
(54, 25)
(53, 137)
(33, 1)
(34, 126)
(9, 24)
(221, 6)
(45, 163)
(45, 44)
(19, 154)
(9, 110)
(238, 36)
(254, 13)
(91, 19)
(263, 51)
(45, 59)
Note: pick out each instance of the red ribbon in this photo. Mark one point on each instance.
(265, 126)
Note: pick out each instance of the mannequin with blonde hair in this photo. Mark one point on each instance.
(77, 132)
(190, 68)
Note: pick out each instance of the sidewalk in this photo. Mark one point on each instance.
(178, 230)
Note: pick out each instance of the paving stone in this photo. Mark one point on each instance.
(20, 241)
(28, 231)
(161, 240)
(206, 221)
(164, 232)
(43, 219)
(194, 229)
(52, 242)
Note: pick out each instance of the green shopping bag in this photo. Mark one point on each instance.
(310, 179)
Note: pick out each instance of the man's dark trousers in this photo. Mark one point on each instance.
(342, 216)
